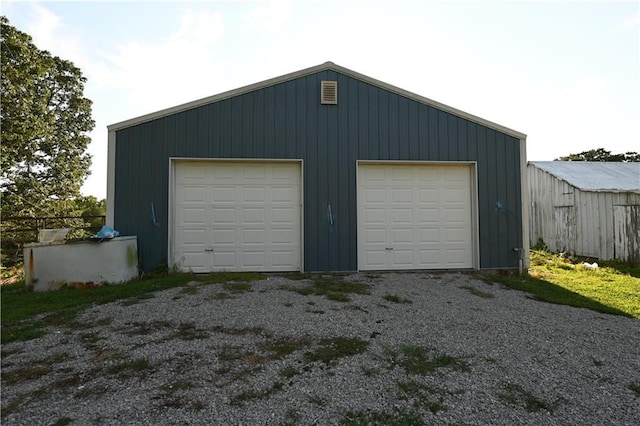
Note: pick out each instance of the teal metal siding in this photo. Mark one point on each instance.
(287, 121)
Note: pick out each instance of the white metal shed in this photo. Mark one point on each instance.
(586, 208)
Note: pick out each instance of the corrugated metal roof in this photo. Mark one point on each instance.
(595, 175)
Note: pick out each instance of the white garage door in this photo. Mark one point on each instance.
(414, 216)
(237, 216)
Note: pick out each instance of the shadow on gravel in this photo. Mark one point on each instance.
(544, 291)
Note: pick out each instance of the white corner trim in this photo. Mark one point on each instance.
(524, 189)
(111, 177)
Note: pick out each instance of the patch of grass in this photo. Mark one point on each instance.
(242, 331)
(189, 331)
(356, 308)
(220, 295)
(289, 372)
(62, 421)
(13, 405)
(21, 307)
(283, 347)
(478, 292)
(249, 395)
(555, 279)
(318, 400)
(127, 369)
(230, 353)
(137, 299)
(332, 349)
(516, 395)
(296, 276)
(24, 374)
(635, 387)
(89, 339)
(396, 417)
(394, 298)
(333, 288)
(54, 358)
(292, 417)
(19, 332)
(189, 290)
(90, 391)
(237, 287)
(416, 360)
(370, 372)
(423, 395)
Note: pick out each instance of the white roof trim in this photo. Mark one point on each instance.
(305, 72)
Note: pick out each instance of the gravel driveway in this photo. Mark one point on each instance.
(419, 348)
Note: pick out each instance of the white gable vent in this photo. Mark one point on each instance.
(329, 92)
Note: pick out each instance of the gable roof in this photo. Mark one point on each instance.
(595, 175)
(302, 73)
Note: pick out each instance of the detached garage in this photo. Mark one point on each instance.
(323, 169)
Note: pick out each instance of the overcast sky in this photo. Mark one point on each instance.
(565, 73)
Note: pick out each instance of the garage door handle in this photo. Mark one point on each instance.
(388, 248)
(208, 249)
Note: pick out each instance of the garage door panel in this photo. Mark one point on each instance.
(224, 260)
(253, 194)
(191, 216)
(252, 259)
(402, 236)
(281, 259)
(284, 215)
(221, 194)
(402, 258)
(376, 236)
(375, 216)
(429, 215)
(248, 216)
(402, 216)
(224, 237)
(376, 258)
(282, 195)
(430, 257)
(253, 215)
(193, 261)
(373, 195)
(284, 236)
(410, 215)
(253, 236)
(192, 237)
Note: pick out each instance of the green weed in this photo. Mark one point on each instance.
(394, 298)
(335, 348)
(332, 288)
(416, 360)
(478, 292)
(24, 374)
(127, 369)
(516, 395)
(423, 395)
